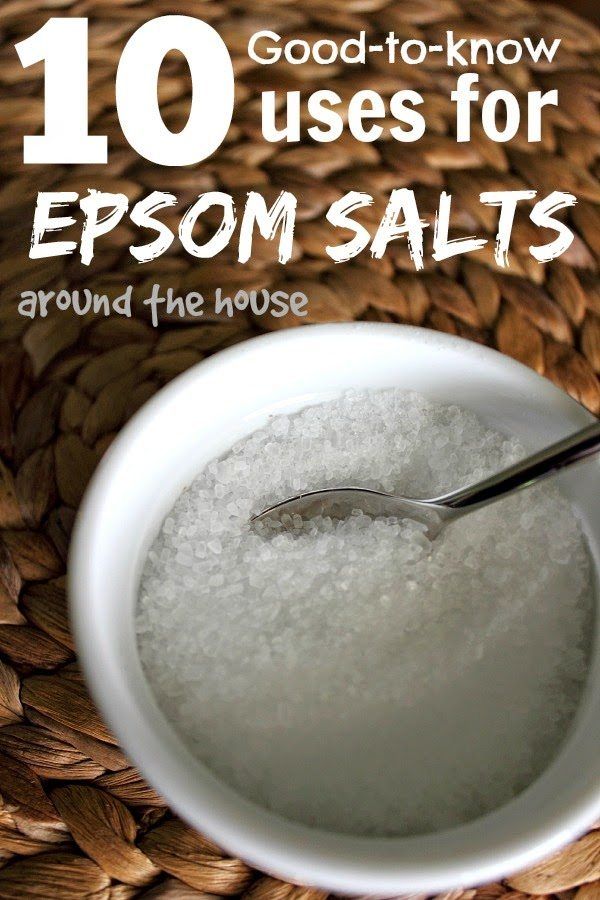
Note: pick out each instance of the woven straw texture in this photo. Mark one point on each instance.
(76, 820)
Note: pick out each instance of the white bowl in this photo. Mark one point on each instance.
(198, 417)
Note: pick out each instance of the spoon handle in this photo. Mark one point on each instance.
(528, 471)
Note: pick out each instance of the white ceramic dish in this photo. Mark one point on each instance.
(198, 417)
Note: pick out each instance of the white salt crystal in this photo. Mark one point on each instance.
(351, 675)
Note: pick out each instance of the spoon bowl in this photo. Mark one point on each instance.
(339, 503)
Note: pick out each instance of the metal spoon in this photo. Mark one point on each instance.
(437, 512)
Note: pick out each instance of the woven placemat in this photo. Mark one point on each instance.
(76, 820)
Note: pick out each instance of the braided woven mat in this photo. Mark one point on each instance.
(76, 820)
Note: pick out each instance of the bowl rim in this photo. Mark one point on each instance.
(289, 851)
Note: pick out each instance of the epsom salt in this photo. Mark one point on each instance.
(349, 674)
